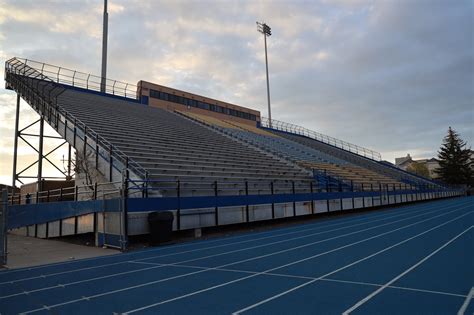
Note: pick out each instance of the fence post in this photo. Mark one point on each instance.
(96, 151)
(247, 203)
(381, 193)
(146, 184)
(47, 195)
(372, 190)
(216, 210)
(178, 211)
(76, 192)
(312, 198)
(294, 193)
(352, 189)
(74, 134)
(363, 195)
(95, 191)
(110, 163)
(395, 195)
(273, 204)
(124, 234)
(400, 188)
(85, 142)
(340, 199)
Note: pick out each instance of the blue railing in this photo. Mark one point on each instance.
(74, 78)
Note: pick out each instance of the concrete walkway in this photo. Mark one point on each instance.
(26, 251)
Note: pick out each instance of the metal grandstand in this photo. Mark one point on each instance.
(207, 171)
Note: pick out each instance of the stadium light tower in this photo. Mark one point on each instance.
(105, 26)
(266, 31)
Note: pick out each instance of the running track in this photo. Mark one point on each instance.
(413, 259)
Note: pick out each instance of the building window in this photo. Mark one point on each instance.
(193, 103)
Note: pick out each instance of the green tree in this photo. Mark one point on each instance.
(454, 160)
(419, 169)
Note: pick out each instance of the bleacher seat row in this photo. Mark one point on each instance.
(309, 153)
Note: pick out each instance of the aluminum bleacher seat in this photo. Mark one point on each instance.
(171, 147)
(374, 166)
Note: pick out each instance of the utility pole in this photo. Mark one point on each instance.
(103, 83)
(266, 31)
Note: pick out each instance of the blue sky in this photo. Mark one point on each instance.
(388, 75)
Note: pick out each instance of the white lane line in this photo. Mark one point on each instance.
(219, 254)
(370, 296)
(404, 208)
(468, 299)
(201, 271)
(292, 263)
(384, 216)
(394, 287)
(282, 275)
(344, 267)
(64, 285)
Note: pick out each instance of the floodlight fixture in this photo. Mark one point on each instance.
(264, 29)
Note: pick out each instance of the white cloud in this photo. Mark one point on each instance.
(388, 75)
(77, 21)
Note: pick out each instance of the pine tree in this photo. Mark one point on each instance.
(454, 160)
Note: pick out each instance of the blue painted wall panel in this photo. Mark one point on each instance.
(23, 215)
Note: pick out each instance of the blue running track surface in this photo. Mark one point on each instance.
(411, 259)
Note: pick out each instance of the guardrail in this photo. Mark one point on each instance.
(213, 196)
(299, 130)
(189, 188)
(83, 80)
(74, 193)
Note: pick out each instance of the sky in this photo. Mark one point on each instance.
(389, 75)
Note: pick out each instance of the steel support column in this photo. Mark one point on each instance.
(40, 154)
(15, 145)
(69, 162)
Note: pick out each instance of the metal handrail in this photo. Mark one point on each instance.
(85, 192)
(141, 188)
(11, 66)
(341, 144)
(83, 80)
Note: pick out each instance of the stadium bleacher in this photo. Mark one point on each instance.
(375, 166)
(301, 153)
(185, 153)
(171, 147)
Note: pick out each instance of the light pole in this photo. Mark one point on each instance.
(105, 26)
(266, 31)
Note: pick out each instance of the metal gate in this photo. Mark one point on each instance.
(112, 223)
(3, 228)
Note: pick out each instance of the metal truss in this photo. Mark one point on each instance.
(42, 156)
